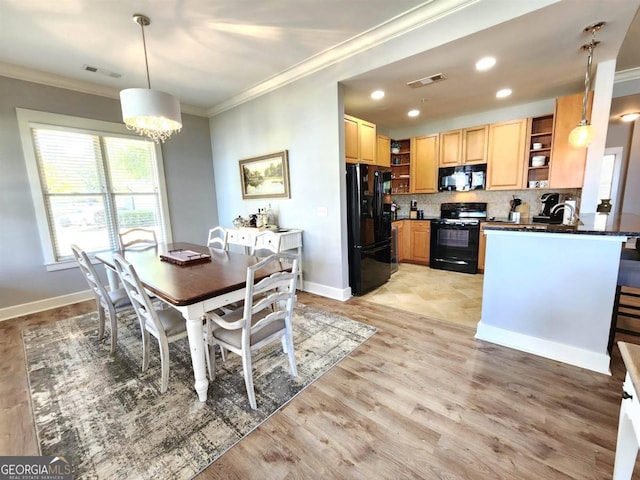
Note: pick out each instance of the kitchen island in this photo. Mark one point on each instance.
(549, 289)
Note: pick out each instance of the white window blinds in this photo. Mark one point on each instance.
(95, 186)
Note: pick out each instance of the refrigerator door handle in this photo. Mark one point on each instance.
(372, 246)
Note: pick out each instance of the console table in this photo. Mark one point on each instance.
(283, 240)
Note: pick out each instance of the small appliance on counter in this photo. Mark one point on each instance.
(549, 200)
(514, 215)
(413, 212)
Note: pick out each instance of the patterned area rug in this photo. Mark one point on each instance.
(110, 418)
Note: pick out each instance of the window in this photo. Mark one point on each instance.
(89, 184)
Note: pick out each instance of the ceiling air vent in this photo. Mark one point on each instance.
(102, 71)
(427, 80)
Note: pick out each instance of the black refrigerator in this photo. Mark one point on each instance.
(369, 226)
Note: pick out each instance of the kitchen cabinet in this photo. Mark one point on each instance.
(401, 167)
(569, 163)
(450, 148)
(474, 144)
(424, 164)
(505, 156)
(383, 152)
(403, 239)
(463, 147)
(359, 140)
(420, 241)
(539, 131)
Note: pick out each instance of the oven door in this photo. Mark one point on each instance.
(454, 246)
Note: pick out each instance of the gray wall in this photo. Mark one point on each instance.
(188, 171)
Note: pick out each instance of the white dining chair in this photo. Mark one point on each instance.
(265, 317)
(218, 238)
(139, 238)
(166, 325)
(108, 302)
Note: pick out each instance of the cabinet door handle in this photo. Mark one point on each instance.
(625, 395)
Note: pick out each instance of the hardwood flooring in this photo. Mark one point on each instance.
(420, 399)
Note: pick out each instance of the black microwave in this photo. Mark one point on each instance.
(462, 178)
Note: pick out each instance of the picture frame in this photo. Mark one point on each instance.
(266, 176)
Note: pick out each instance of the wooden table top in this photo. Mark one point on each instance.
(631, 357)
(189, 284)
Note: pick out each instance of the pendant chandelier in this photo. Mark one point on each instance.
(150, 113)
(582, 135)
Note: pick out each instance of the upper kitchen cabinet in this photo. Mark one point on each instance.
(359, 140)
(383, 151)
(450, 148)
(568, 165)
(474, 144)
(505, 162)
(424, 164)
(401, 166)
(538, 148)
(463, 147)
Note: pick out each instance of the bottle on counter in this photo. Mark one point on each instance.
(271, 217)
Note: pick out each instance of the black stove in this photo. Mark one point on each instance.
(455, 236)
(467, 212)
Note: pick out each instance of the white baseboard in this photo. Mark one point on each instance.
(597, 362)
(329, 292)
(46, 304)
(61, 301)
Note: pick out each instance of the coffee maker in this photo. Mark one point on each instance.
(548, 200)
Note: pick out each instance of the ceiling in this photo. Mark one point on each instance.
(539, 56)
(207, 52)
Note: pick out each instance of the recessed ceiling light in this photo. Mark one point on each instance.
(485, 63)
(413, 113)
(505, 92)
(630, 117)
(377, 95)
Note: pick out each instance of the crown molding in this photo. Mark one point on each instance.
(44, 78)
(417, 17)
(626, 75)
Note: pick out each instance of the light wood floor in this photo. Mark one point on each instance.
(420, 399)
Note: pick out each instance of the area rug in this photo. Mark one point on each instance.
(109, 417)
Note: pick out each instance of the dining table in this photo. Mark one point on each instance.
(193, 288)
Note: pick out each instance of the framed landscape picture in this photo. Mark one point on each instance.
(266, 176)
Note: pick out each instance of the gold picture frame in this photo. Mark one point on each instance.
(266, 176)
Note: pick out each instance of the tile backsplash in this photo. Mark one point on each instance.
(497, 201)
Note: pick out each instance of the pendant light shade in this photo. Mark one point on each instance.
(150, 113)
(582, 135)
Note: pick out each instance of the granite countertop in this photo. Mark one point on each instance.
(588, 224)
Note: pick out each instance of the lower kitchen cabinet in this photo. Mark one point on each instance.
(402, 239)
(420, 241)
